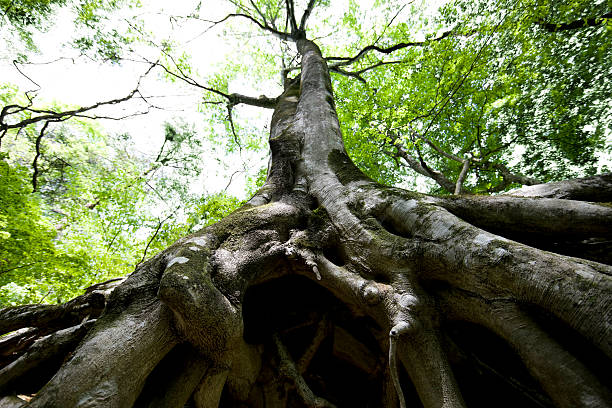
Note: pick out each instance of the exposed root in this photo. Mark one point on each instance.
(174, 379)
(204, 316)
(595, 188)
(52, 317)
(11, 401)
(294, 252)
(209, 390)
(546, 217)
(565, 379)
(108, 368)
(290, 371)
(578, 292)
(43, 350)
(393, 335)
(320, 335)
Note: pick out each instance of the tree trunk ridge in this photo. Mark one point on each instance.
(325, 268)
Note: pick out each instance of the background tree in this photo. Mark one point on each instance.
(328, 288)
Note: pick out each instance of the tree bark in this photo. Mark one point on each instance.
(231, 315)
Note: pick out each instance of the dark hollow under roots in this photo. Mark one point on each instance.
(348, 366)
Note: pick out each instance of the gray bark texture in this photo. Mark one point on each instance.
(329, 290)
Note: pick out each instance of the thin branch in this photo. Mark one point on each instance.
(420, 166)
(458, 85)
(514, 177)
(306, 14)
(112, 241)
(291, 15)
(19, 267)
(46, 115)
(391, 21)
(38, 153)
(347, 73)
(439, 150)
(263, 17)
(23, 74)
(385, 50)
(233, 98)
(264, 26)
(357, 74)
(378, 64)
(461, 178)
(159, 225)
(231, 122)
(231, 178)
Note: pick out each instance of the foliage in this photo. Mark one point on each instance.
(99, 209)
(26, 236)
(96, 31)
(488, 84)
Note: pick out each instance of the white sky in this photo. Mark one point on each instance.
(82, 83)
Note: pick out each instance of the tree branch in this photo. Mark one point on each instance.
(231, 122)
(233, 98)
(384, 50)
(263, 17)
(38, 153)
(159, 225)
(421, 167)
(595, 188)
(264, 26)
(291, 16)
(461, 178)
(53, 116)
(341, 71)
(514, 177)
(306, 14)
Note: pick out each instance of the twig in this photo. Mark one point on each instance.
(320, 335)
(22, 73)
(159, 225)
(38, 153)
(290, 371)
(50, 115)
(231, 122)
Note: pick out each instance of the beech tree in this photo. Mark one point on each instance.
(328, 288)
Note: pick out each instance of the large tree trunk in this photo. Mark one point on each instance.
(328, 289)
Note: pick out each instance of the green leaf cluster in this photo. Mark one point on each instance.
(487, 83)
(100, 207)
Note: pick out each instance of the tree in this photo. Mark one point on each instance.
(328, 288)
